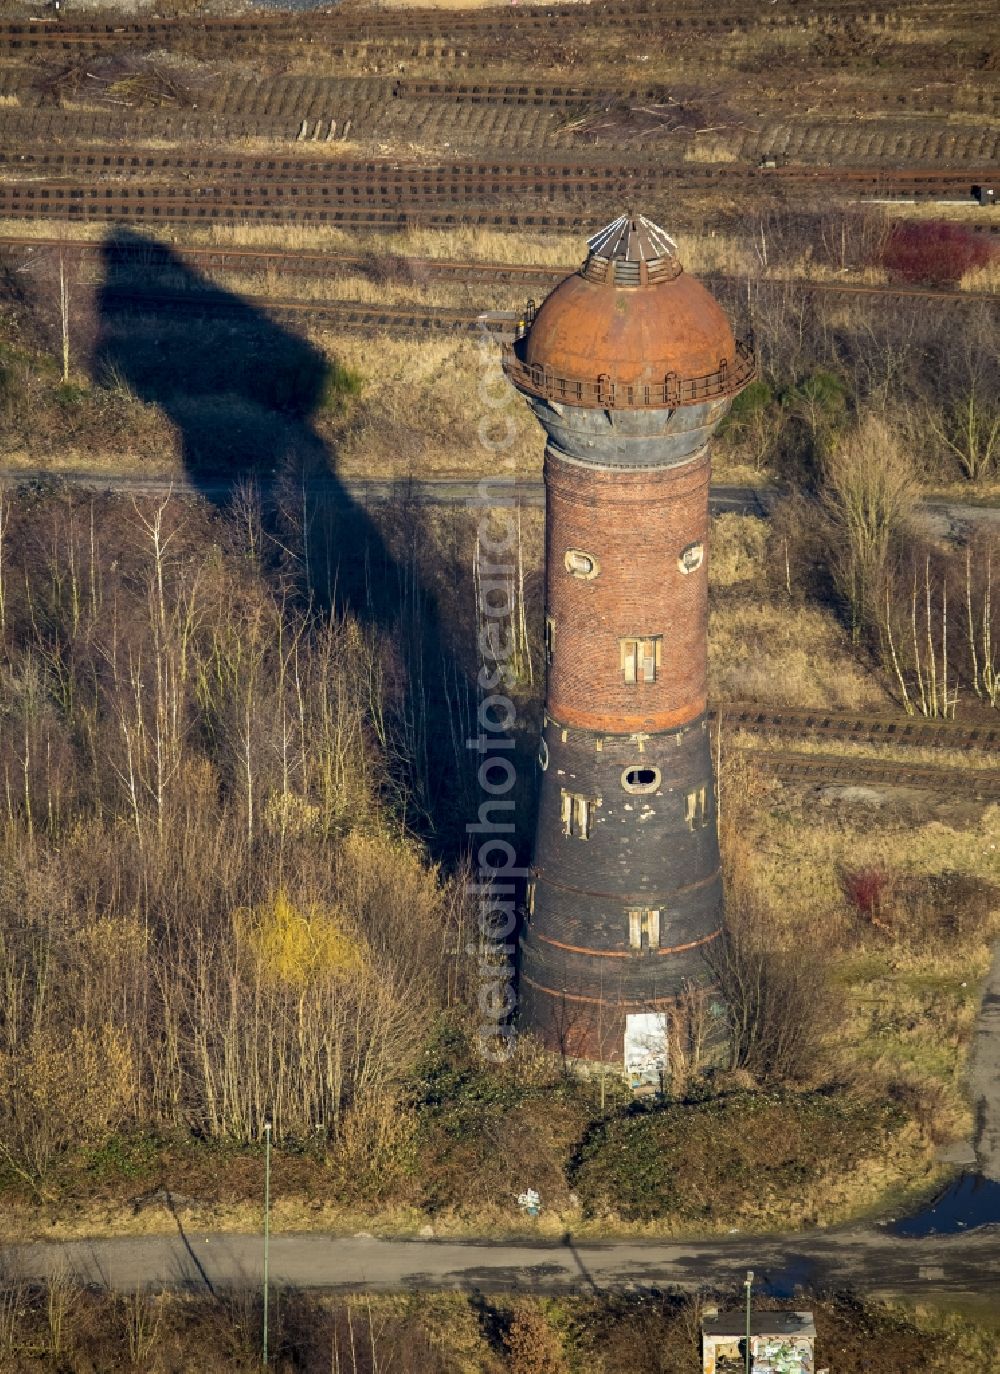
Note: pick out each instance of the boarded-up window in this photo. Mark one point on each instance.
(578, 814)
(581, 564)
(695, 808)
(644, 927)
(640, 658)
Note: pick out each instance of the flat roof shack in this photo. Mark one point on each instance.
(780, 1343)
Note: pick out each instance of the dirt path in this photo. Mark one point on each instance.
(984, 1075)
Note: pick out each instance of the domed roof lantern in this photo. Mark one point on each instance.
(631, 251)
(630, 331)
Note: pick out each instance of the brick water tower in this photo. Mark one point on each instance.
(629, 365)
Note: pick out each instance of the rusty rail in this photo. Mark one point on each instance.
(857, 727)
(635, 16)
(979, 784)
(150, 256)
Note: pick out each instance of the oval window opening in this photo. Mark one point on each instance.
(641, 779)
(581, 564)
(543, 755)
(691, 558)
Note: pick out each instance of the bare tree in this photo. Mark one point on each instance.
(868, 494)
(966, 422)
(781, 1007)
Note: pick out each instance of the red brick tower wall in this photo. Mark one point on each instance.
(636, 525)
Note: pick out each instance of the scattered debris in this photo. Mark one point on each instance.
(162, 1197)
(529, 1202)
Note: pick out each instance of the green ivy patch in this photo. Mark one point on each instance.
(700, 1161)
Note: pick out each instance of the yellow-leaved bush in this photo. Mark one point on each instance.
(298, 945)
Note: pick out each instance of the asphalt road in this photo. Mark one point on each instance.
(440, 491)
(962, 1268)
(945, 517)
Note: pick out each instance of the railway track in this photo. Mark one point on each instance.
(117, 255)
(858, 727)
(308, 94)
(371, 177)
(645, 18)
(149, 207)
(342, 314)
(151, 256)
(972, 784)
(292, 106)
(300, 115)
(386, 195)
(338, 314)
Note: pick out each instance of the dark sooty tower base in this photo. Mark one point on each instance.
(629, 365)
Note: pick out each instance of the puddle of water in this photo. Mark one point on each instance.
(969, 1202)
(798, 1275)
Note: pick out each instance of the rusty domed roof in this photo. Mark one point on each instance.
(630, 329)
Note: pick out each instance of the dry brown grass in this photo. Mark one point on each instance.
(982, 278)
(709, 252)
(354, 286)
(876, 753)
(129, 460)
(418, 414)
(701, 253)
(983, 214)
(911, 1002)
(787, 656)
(765, 649)
(805, 268)
(711, 147)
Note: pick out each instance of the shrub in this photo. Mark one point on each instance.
(948, 905)
(920, 908)
(489, 1130)
(817, 407)
(705, 1161)
(69, 395)
(866, 889)
(532, 1345)
(753, 423)
(781, 1006)
(340, 386)
(868, 494)
(386, 269)
(934, 252)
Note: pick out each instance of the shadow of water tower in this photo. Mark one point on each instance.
(245, 396)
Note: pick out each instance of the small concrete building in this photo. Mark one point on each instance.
(780, 1343)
